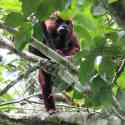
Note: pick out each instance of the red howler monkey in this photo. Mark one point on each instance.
(58, 35)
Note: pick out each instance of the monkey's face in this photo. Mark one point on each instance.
(58, 30)
(63, 29)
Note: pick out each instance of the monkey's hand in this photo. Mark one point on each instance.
(70, 58)
(66, 57)
(60, 52)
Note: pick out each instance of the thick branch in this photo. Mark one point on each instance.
(66, 70)
(23, 119)
(60, 70)
(43, 49)
(5, 43)
(54, 55)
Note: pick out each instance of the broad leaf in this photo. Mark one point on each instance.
(14, 19)
(38, 32)
(30, 6)
(121, 98)
(101, 93)
(11, 5)
(47, 7)
(121, 81)
(107, 68)
(112, 1)
(24, 35)
(77, 95)
(86, 68)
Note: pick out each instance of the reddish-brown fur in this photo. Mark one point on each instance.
(51, 25)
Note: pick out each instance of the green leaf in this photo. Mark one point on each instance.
(121, 99)
(89, 24)
(98, 44)
(86, 68)
(30, 6)
(13, 5)
(74, 4)
(98, 83)
(112, 1)
(7, 97)
(2, 69)
(121, 81)
(92, 49)
(77, 95)
(7, 108)
(120, 45)
(82, 32)
(101, 93)
(14, 19)
(38, 32)
(1, 78)
(107, 68)
(48, 6)
(77, 58)
(24, 35)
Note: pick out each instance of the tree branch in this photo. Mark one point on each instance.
(119, 71)
(17, 100)
(42, 48)
(5, 27)
(54, 55)
(65, 71)
(5, 43)
(19, 78)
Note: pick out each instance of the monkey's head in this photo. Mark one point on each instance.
(57, 29)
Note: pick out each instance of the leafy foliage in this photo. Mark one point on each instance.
(24, 35)
(101, 40)
(14, 19)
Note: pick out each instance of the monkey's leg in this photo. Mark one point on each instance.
(46, 87)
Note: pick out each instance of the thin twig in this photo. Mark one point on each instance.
(65, 66)
(118, 113)
(5, 43)
(18, 100)
(39, 103)
(116, 106)
(51, 54)
(119, 71)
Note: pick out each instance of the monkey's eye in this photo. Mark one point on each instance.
(63, 29)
